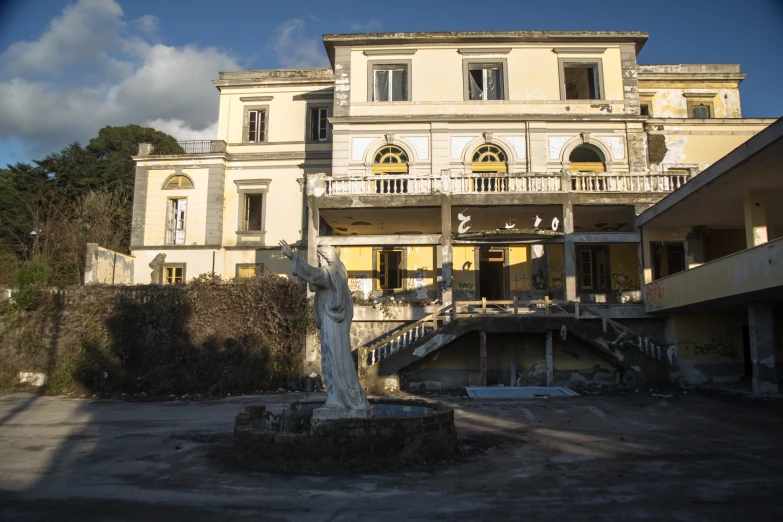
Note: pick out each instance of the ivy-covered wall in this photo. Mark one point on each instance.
(205, 337)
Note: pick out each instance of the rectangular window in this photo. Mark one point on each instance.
(485, 82)
(319, 125)
(390, 269)
(593, 268)
(390, 83)
(581, 81)
(173, 274)
(700, 110)
(644, 109)
(256, 128)
(175, 221)
(252, 211)
(246, 271)
(667, 259)
(585, 270)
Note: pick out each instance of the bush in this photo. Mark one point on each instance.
(30, 280)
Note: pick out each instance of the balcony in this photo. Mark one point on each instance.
(755, 273)
(190, 147)
(461, 183)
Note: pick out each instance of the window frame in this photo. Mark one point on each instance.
(246, 123)
(582, 63)
(251, 187)
(178, 175)
(599, 279)
(376, 257)
(309, 124)
(691, 103)
(239, 266)
(184, 223)
(471, 63)
(372, 64)
(166, 266)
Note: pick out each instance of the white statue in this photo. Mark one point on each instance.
(333, 313)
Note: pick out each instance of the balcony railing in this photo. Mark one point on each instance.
(189, 147)
(461, 183)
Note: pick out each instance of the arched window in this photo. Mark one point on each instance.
(179, 182)
(587, 158)
(489, 158)
(390, 160)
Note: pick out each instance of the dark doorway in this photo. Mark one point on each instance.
(491, 273)
(746, 352)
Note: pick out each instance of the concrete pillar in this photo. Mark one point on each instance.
(540, 268)
(755, 219)
(569, 253)
(483, 356)
(762, 348)
(447, 258)
(550, 367)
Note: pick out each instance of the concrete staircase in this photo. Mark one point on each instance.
(641, 359)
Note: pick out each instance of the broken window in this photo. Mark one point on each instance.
(319, 125)
(485, 81)
(581, 81)
(256, 129)
(251, 211)
(173, 274)
(175, 221)
(390, 83)
(390, 269)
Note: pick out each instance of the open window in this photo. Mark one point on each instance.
(667, 259)
(587, 158)
(255, 124)
(485, 81)
(252, 211)
(173, 274)
(319, 124)
(581, 80)
(593, 269)
(390, 82)
(390, 275)
(175, 221)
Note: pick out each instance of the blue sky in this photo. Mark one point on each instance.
(68, 68)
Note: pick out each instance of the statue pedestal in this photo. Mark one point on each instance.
(324, 413)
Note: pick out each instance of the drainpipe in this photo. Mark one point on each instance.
(527, 147)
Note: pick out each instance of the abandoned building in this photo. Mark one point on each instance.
(496, 169)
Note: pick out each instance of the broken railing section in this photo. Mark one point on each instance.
(462, 183)
(624, 337)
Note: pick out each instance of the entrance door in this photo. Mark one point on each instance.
(492, 283)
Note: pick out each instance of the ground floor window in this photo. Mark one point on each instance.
(390, 269)
(249, 270)
(173, 274)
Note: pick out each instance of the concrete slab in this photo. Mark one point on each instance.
(519, 392)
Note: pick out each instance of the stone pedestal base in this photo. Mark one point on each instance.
(324, 413)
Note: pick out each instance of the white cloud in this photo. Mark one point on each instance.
(295, 49)
(91, 69)
(370, 26)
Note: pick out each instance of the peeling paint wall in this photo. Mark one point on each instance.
(624, 266)
(464, 284)
(107, 267)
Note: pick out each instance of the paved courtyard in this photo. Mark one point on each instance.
(697, 456)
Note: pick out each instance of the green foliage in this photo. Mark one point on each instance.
(29, 280)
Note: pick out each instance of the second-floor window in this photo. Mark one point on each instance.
(390, 83)
(581, 81)
(256, 128)
(251, 211)
(485, 81)
(175, 221)
(319, 125)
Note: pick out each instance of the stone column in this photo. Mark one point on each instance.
(312, 360)
(569, 253)
(446, 256)
(755, 219)
(762, 347)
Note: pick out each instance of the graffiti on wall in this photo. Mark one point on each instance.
(539, 280)
(417, 282)
(463, 222)
(360, 284)
(521, 281)
(624, 282)
(720, 347)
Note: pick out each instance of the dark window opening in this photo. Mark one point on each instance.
(593, 269)
(319, 124)
(492, 274)
(173, 274)
(700, 111)
(390, 269)
(644, 109)
(667, 259)
(252, 211)
(485, 82)
(581, 82)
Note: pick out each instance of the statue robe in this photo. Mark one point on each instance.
(333, 313)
